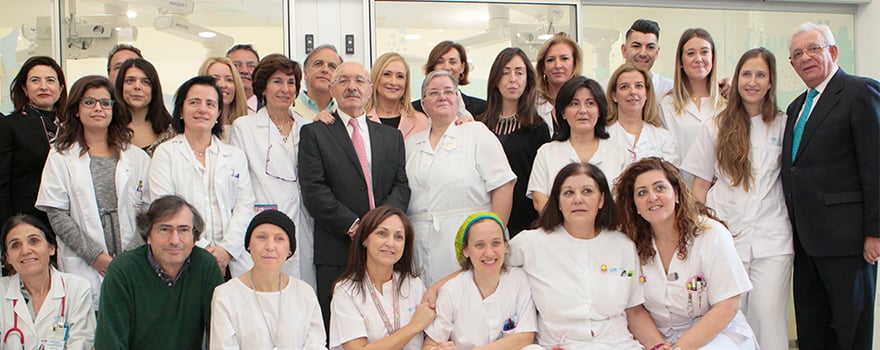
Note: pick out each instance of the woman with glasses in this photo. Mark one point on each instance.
(38, 92)
(453, 171)
(270, 141)
(42, 308)
(94, 183)
(140, 102)
(207, 173)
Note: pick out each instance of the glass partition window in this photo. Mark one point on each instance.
(412, 28)
(734, 32)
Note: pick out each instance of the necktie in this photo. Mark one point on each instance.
(799, 126)
(358, 142)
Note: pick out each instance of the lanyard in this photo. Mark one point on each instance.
(18, 331)
(381, 310)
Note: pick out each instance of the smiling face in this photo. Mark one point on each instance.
(269, 247)
(137, 89)
(451, 62)
(245, 62)
(655, 198)
(172, 240)
(43, 87)
(27, 250)
(486, 247)
(559, 64)
(280, 90)
(201, 108)
(385, 244)
(696, 58)
(392, 81)
(641, 49)
(513, 79)
(813, 68)
(580, 199)
(582, 112)
(223, 75)
(97, 116)
(630, 92)
(754, 82)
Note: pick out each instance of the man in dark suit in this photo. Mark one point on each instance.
(347, 168)
(830, 161)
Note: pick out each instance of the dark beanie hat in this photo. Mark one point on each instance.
(276, 218)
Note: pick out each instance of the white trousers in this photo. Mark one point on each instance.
(766, 306)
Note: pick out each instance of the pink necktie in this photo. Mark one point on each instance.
(358, 142)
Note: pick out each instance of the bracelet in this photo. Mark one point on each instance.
(658, 346)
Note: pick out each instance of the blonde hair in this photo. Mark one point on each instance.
(238, 107)
(680, 95)
(651, 110)
(405, 107)
(544, 83)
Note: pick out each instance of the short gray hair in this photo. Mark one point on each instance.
(164, 208)
(435, 74)
(319, 48)
(824, 30)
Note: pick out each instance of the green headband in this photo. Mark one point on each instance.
(462, 236)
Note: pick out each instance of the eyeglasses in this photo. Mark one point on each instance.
(164, 231)
(358, 80)
(90, 102)
(449, 93)
(812, 50)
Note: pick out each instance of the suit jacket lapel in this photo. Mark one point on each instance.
(338, 130)
(827, 101)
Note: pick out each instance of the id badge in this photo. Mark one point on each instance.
(261, 207)
(50, 344)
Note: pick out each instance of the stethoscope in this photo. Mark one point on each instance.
(17, 331)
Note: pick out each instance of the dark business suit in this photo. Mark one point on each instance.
(335, 192)
(24, 148)
(831, 190)
(476, 106)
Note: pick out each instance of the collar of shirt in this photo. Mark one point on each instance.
(312, 105)
(821, 87)
(362, 121)
(170, 281)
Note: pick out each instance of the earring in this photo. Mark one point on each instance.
(364, 244)
(289, 254)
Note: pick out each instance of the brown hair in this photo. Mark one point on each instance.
(687, 209)
(733, 144)
(680, 95)
(17, 88)
(441, 49)
(268, 66)
(356, 271)
(558, 38)
(651, 110)
(526, 112)
(404, 106)
(238, 107)
(551, 215)
(157, 115)
(118, 134)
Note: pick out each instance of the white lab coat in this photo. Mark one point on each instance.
(468, 320)
(239, 317)
(653, 142)
(175, 170)
(67, 185)
(758, 220)
(255, 134)
(448, 184)
(684, 127)
(354, 315)
(579, 305)
(666, 293)
(77, 309)
(609, 157)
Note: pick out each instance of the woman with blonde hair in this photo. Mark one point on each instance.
(634, 117)
(746, 160)
(390, 104)
(695, 95)
(227, 78)
(559, 59)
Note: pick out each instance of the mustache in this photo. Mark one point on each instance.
(352, 93)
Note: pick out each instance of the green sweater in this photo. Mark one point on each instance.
(140, 311)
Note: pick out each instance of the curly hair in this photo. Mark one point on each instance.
(687, 209)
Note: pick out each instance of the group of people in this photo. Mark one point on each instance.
(559, 213)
